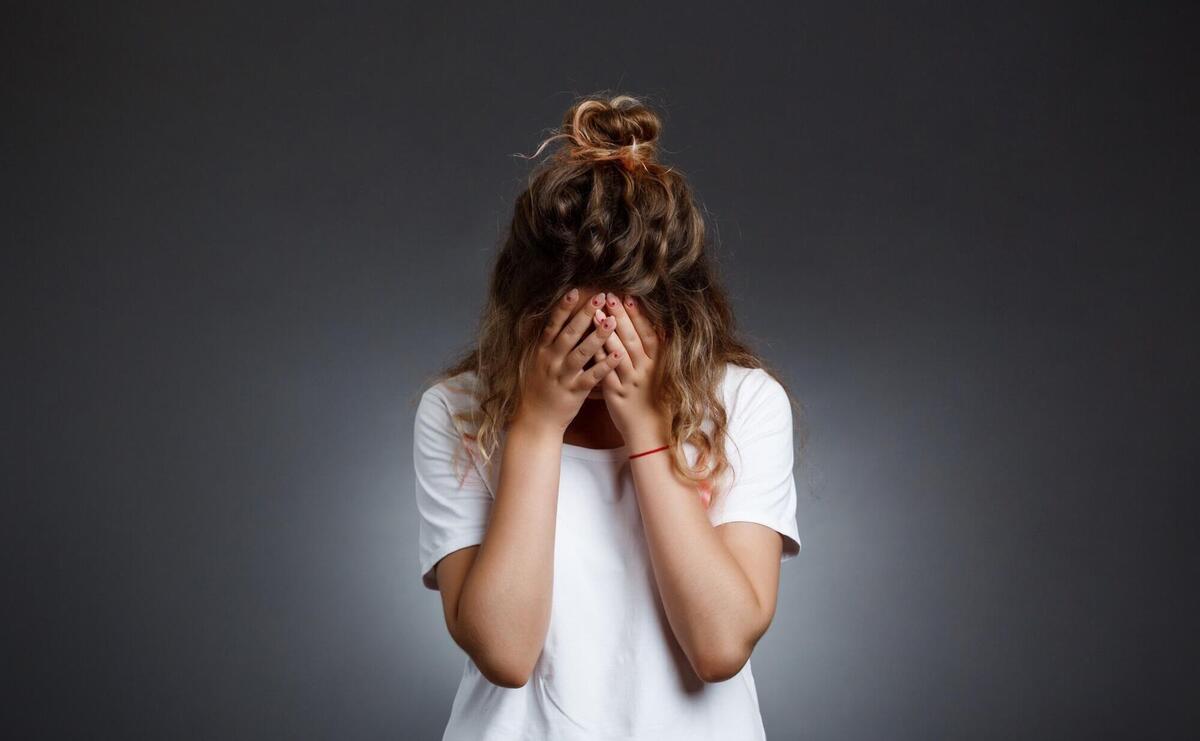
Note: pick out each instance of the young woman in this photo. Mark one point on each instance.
(604, 480)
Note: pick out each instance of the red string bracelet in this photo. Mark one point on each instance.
(648, 452)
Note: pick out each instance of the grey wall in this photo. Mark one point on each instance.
(236, 240)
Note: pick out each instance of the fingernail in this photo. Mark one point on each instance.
(629, 302)
(612, 300)
(598, 299)
(572, 294)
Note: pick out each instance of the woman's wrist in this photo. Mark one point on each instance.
(535, 428)
(647, 435)
(649, 451)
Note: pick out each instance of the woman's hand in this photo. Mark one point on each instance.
(632, 392)
(556, 384)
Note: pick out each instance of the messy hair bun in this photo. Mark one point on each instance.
(621, 130)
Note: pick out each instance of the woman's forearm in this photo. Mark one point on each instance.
(710, 603)
(504, 608)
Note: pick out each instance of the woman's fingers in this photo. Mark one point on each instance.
(645, 330)
(625, 366)
(627, 331)
(579, 356)
(576, 326)
(602, 370)
(562, 309)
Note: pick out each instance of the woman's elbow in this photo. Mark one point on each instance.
(500, 658)
(507, 673)
(501, 668)
(720, 665)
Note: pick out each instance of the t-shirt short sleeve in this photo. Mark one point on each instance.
(759, 448)
(453, 510)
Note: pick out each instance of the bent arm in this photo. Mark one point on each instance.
(497, 595)
(718, 585)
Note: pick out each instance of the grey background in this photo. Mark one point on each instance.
(237, 239)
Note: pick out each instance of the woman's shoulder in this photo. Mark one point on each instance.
(746, 389)
(450, 402)
(740, 380)
(457, 391)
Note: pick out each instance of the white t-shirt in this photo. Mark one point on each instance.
(610, 667)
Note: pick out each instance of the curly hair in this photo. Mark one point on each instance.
(603, 211)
